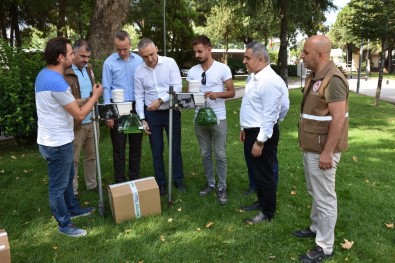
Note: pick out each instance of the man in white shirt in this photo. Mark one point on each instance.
(217, 85)
(152, 80)
(259, 116)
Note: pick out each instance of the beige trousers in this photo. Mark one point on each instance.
(321, 186)
(84, 140)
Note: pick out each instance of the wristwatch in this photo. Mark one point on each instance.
(259, 143)
(160, 101)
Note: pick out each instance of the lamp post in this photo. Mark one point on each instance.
(360, 65)
(164, 27)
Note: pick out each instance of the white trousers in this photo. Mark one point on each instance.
(321, 186)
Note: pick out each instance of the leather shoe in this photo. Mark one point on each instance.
(304, 233)
(257, 219)
(254, 206)
(250, 191)
(162, 190)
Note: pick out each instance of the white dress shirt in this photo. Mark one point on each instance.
(152, 84)
(262, 102)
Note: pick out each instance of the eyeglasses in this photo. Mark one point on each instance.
(204, 78)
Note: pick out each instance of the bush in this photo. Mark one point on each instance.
(292, 69)
(18, 71)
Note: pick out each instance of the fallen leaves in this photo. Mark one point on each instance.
(293, 192)
(162, 238)
(170, 220)
(13, 157)
(347, 244)
(389, 225)
(209, 224)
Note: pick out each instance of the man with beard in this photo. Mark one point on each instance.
(56, 108)
(217, 85)
(81, 78)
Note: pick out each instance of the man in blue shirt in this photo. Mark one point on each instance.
(152, 81)
(118, 73)
(81, 79)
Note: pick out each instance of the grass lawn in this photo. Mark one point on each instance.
(365, 188)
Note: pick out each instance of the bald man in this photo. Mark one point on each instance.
(323, 135)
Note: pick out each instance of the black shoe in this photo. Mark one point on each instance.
(254, 206)
(315, 255)
(257, 219)
(162, 190)
(181, 188)
(304, 233)
(250, 191)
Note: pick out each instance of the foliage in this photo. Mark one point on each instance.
(147, 15)
(364, 185)
(18, 71)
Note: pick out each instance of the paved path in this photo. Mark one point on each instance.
(367, 87)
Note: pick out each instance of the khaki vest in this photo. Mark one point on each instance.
(72, 80)
(315, 116)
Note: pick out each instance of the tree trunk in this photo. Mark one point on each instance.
(378, 90)
(390, 60)
(3, 22)
(107, 18)
(283, 53)
(14, 31)
(61, 24)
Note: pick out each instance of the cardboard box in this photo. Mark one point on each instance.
(5, 254)
(134, 199)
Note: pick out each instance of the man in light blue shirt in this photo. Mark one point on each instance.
(118, 72)
(81, 78)
(152, 81)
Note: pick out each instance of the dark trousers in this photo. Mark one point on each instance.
(251, 180)
(263, 169)
(119, 148)
(157, 121)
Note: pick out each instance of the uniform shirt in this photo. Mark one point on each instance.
(85, 87)
(216, 75)
(151, 84)
(55, 124)
(261, 104)
(119, 74)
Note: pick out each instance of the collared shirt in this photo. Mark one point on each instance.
(118, 74)
(153, 83)
(261, 104)
(85, 87)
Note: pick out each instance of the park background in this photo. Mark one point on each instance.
(365, 182)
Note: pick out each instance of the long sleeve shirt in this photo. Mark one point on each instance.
(153, 83)
(261, 104)
(119, 74)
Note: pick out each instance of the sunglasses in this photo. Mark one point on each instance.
(204, 78)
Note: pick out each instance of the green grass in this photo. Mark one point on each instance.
(365, 188)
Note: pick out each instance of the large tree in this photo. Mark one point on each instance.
(107, 18)
(374, 20)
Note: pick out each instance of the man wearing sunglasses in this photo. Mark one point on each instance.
(217, 85)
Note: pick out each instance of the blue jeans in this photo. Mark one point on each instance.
(60, 181)
(213, 138)
(157, 122)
